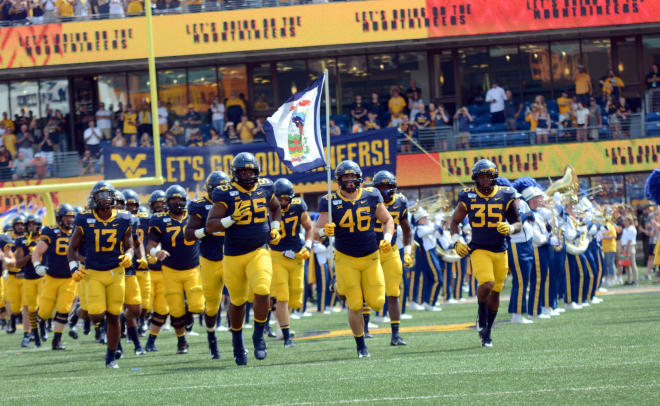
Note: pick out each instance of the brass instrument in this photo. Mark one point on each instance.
(438, 203)
(566, 186)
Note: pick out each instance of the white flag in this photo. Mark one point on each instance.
(295, 129)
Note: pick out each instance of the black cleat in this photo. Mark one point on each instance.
(182, 348)
(289, 343)
(260, 352)
(151, 348)
(58, 346)
(240, 356)
(486, 342)
(397, 341)
(139, 350)
(112, 365)
(86, 328)
(37, 340)
(11, 328)
(73, 333)
(119, 353)
(213, 348)
(363, 353)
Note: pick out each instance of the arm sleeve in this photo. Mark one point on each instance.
(155, 233)
(512, 215)
(323, 206)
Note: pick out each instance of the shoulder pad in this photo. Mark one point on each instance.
(201, 200)
(142, 215)
(296, 200)
(265, 182)
(161, 214)
(369, 189)
(86, 211)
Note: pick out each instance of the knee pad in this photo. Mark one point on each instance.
(60, 318)
(178, 322)
(158, 319)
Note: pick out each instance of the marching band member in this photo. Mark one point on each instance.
(427, 261)
(521, 260)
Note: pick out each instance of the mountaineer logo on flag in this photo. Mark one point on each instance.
(294, 129)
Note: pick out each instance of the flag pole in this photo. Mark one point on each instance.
(326, 88)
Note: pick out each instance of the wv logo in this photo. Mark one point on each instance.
(130, 165)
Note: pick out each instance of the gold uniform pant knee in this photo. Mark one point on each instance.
(57, 295)
(31, 292)
(361, 280)
(392, 272)
(158, 303)
(132, 295)
(248, 273)
(288, 279)
(14, 293)
(177, 283)
(490, 266)
(105, 291)
(212, 283)
(144, 280)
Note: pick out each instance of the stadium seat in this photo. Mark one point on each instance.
(653, 116)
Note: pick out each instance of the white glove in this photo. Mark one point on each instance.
(200, 233)
(554, 241)
(40, 269)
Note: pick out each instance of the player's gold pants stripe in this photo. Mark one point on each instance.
(436, 277)
(323, 286)
(411, 285)
(546, 299)
(581, 271)
(521, 285)
(537, 288)
(591, 280)
(600, 270)
(459, 281)
(420, 288)
(567, 270)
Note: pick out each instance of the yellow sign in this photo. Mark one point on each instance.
(311, 25)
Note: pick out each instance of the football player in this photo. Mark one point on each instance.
(355, 211)
(59, 289)
(8, 260)
(289, 255)
(487, 206)
(133, 293)
(241, 209)
(211, 257)
(157, 305)
(32, 282)
(397, 205)
(180, 257)
(107, 237)
(14, 285)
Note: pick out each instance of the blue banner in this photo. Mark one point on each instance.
(189, 166)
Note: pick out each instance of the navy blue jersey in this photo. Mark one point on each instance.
(102, 238)
(27, 245)
(210, 247)
(168, 231)
(484, 212)
(253, 231)
(6, 240)
(355, 221)
(144, 225)
(55, 256)
(290, 226)
(398, 208)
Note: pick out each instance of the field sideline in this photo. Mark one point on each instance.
(605, 354)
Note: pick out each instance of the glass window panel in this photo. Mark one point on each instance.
(232, 78)
(651, 45)
(635, 184)
(613, 191)
(596, 59)
(54, 95)
(565, 60)
(315, 69)
(203, 88)
(352, 79)
(4, 99)
(291, 78)
(505, 67)
(24, 96)
(112, 90)
(138, 86)
(414, 66)
(627, 60)
(383, 74)
(443, 74)
(172, 90)
(262, 88)
(535, 71)
(473, 71)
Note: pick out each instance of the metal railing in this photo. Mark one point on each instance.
(59, 165)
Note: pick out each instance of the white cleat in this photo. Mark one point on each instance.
(372, 325)
(585, 304)
(430, 308)
(596, 300)
(221, 328)
(546, 311)
(555, 312)
(294, 316)
(519, 319)
(192, 333)
(327, 311)
(415, 306)
(384, 319)
(560, 310)
(542, 316)
(406, 317)
(573, 306)
(452, 301)
(307, 314)
(602, 290)
(336, 309)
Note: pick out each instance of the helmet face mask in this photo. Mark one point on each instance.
(34, 224)
(283, 189)
(176, 205)
(65, 216)
(19, 226)
(131, 201)
(157, 202)
(245, 170)
(484, 175)
(349, 183)
(132, 207)
(158, 207)
(104, 199)
(247, 178)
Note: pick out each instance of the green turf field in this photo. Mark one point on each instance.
(605, 354)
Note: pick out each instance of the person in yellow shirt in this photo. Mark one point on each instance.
(7, 122)
(532, 117)
(130, 121)
(609, 251)
(612, 85)
(134, 7)
(564, 106)
(9, 140)
(583, 87)
(244, 129)
(396, 105)
(65, 8)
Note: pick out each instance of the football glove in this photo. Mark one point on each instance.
(504, 228)
(275, 236)
(125, 260)
(40, 269)
(303, 253)
(151, 260)
(142, 263)
(408, 261)
(385, 246)
(461, 249)
(78, 274)
(240, 212)
(329, 229)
